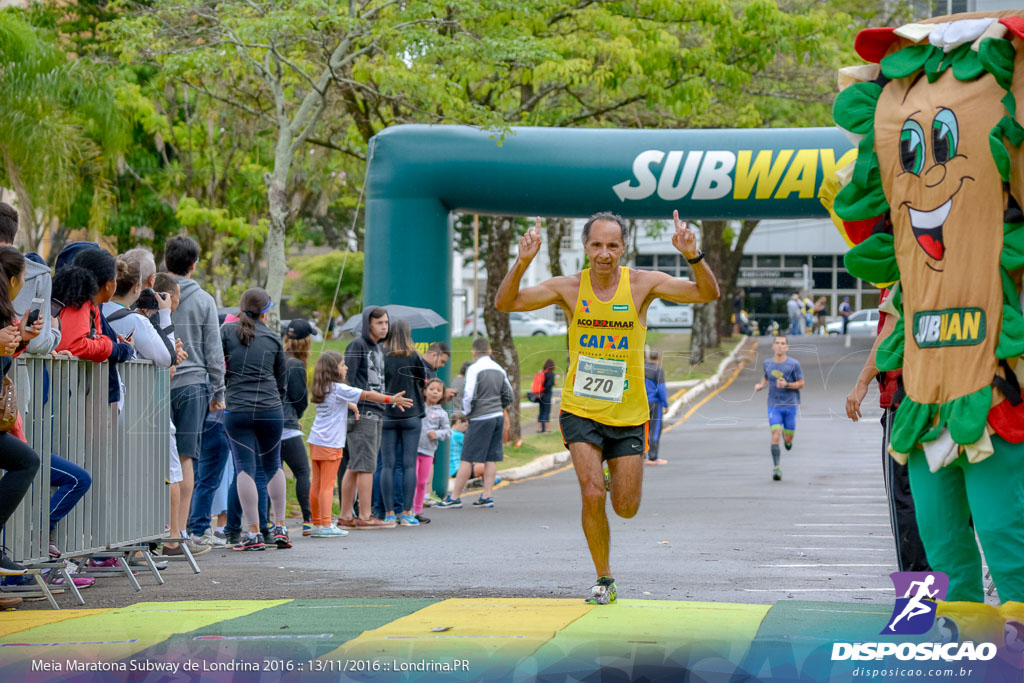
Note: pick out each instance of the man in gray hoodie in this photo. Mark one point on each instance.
(198, 383)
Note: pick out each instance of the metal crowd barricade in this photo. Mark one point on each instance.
(65, 411)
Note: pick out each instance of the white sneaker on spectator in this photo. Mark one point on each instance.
(197, 549)
(209, 539)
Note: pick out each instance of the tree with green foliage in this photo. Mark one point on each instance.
(63, 129)
(318, 285)
(285, 65)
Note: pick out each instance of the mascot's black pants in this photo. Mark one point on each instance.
(910, 555)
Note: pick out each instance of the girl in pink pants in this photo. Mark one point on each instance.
(436, 427)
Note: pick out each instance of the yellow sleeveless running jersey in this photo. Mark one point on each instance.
(605, 379)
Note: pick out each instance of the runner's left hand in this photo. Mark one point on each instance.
(780, 383)
(684, 239)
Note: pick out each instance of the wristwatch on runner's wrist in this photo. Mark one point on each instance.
(697, 259)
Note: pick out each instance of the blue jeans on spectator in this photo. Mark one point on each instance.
(71, 481)
(794, 325)
(215, 449)
(378, 499)
(399, 446)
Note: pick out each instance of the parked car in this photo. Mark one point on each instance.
(523, 325)
(863, 323)
(663, 313)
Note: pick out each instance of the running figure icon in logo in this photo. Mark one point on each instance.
(920, 591)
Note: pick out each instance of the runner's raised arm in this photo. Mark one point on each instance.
(510, 297)
(704, 286)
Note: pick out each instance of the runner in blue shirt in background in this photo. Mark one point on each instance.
(784, 378)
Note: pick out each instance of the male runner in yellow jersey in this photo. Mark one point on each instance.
(604, 400)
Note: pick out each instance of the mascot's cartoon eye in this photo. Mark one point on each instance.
(945, 135)
(912, 147)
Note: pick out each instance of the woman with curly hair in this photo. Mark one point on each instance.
(82, 287)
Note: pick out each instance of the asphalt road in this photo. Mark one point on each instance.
(713, 526)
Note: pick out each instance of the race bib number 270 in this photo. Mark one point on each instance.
(604, 380)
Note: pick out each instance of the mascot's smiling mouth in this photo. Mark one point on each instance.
(927, 226)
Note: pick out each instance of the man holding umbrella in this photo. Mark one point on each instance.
(365, 360)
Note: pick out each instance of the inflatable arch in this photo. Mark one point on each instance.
(419, 174)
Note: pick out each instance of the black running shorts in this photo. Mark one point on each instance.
(614, 442)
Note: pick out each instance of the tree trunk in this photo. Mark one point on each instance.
(557, 228)
(730, 273)
(499, 331)
(27, 237)
(724, 259)
(701, 336)
(274, 246)
(705, 333)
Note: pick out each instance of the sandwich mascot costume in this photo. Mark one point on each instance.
(933, 204)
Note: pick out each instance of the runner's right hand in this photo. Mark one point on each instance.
(529, 244)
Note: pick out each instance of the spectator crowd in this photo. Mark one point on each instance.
(238, 391)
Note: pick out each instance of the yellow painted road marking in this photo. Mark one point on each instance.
(13, 622)
(671, 621)
(143, 622)
(510, 630)
(678, 394)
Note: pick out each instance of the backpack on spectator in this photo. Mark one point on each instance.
(161, 332)
(537, 388)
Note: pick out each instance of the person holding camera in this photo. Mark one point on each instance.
(152, 341)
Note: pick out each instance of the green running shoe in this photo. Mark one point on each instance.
(607, 479)
(777, 474)
(604, 592)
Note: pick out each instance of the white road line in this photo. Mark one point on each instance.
(840, 524)
(860, 505)
(824, 565)
(816, 590)
(845, 514)
(860, 495)
(872, 536)
(873, 550)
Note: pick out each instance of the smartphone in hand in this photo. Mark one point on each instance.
(34, 311)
